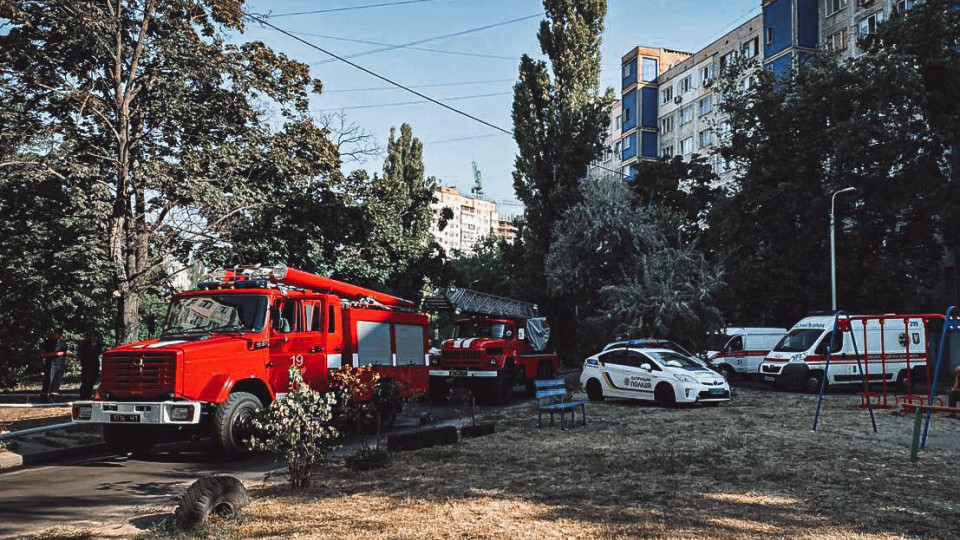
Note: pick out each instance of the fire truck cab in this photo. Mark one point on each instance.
(226, 349)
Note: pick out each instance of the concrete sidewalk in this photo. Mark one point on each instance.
(53, 445)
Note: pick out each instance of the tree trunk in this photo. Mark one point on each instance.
(127, 322)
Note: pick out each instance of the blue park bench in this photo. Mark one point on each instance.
(552, 399)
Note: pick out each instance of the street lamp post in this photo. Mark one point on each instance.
(833, 246)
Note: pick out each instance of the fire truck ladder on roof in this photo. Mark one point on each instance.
(467, 302)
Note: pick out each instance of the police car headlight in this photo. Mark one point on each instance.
(684, 378)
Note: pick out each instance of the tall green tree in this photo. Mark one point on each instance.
(630, 270)
(559, 120)
(153, 103)
(798, 139)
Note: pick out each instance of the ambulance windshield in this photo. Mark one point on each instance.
(798, 341)
(475, 329)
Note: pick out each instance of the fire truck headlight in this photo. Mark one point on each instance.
(181, 413)
(82, 412)
(493, 361)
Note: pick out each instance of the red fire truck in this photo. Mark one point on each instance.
(501, 344)
(226, 349)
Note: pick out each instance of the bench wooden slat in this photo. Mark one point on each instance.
(547, 383)
(541, 394)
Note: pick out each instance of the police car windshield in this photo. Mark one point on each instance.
(798, 341)
(671, 359)
(222, 312)
(479, 329)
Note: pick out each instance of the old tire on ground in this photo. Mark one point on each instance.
(218, 495)
(812, 381)
(664, 395)
(414, 440)
(232, 424)
(594, 390)
(125, 440)
(439, 391)
(502, 389)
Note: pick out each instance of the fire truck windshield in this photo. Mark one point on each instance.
(216, 313)
(479, 330)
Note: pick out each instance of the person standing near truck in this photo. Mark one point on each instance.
(54, 352)
(89, 353)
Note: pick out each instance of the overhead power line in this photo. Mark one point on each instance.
(399, 103)
(477, 119)
(350, 8)
(434, 38)
(412, 48)
(437, 85)
(458, 139)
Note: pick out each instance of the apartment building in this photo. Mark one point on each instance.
(690, 121)
(641, 69)
(608, 165)
(473, 220)
(843, 22)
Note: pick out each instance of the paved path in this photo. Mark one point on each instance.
(107, 489)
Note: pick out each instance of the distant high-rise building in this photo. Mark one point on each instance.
(474, 219)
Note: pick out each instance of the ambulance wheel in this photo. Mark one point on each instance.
(664, 395)
(502, 389)
(439, 391)
(728, 372)
(127, 440)
(812, 381)
(233, 424)
(902, 384)
(594, 390)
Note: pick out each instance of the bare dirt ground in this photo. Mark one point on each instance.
(751, 469)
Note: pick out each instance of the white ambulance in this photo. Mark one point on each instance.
(800, 357)
(739, 351)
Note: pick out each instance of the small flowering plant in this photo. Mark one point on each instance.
(359, 392)
(297, 427)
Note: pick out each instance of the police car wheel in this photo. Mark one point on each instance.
(728, 372)
(594, 390)
(813, 381)
(664, 395)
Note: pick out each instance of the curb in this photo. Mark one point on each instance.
(13, 460)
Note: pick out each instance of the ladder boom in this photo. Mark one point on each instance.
(466, 301)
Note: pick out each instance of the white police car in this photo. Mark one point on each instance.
(661, 375)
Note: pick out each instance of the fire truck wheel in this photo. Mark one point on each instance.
(503, 389)
(126, 440)
(218, 495)
(813, 381)
(232, 423)
(439, 390)
(544, 371)
(664, 395)
(594, 390)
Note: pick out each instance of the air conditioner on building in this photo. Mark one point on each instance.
(678, 100)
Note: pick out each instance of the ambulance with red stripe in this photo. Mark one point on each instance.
(739, 351)
(886, 353)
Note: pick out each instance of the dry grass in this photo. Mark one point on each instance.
(747, 470)
(12, 419)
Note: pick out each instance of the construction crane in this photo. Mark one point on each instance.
(477, 189)
(468, 302)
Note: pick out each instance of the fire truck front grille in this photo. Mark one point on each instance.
(138, 374)
(461, 358)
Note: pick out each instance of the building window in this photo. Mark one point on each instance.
(706, 75)
(723, 165)
(706, 138)
(869, 25)
(769, 35)
(686, 115)
(667, 95)
(685, 84)
(706, 105)
(838, 41)
(727, 60)
(650, 66)
(666, 151)
(666, 124)
(618, 148)
(725, 130)
(903, 5)
(686, 146)
(619, 122)
(627, 70)
(751, 48)
(626, 115)
(834, 6)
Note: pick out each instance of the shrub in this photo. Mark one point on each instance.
(296, 427)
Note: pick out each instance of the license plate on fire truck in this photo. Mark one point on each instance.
(125, 418)
(768, 378)
(458, 373)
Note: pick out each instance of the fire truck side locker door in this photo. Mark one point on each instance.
(334, 332)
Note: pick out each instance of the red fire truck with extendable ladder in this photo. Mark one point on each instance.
(226, 349)
(501, 344)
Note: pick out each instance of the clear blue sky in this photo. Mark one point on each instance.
(484, 82)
